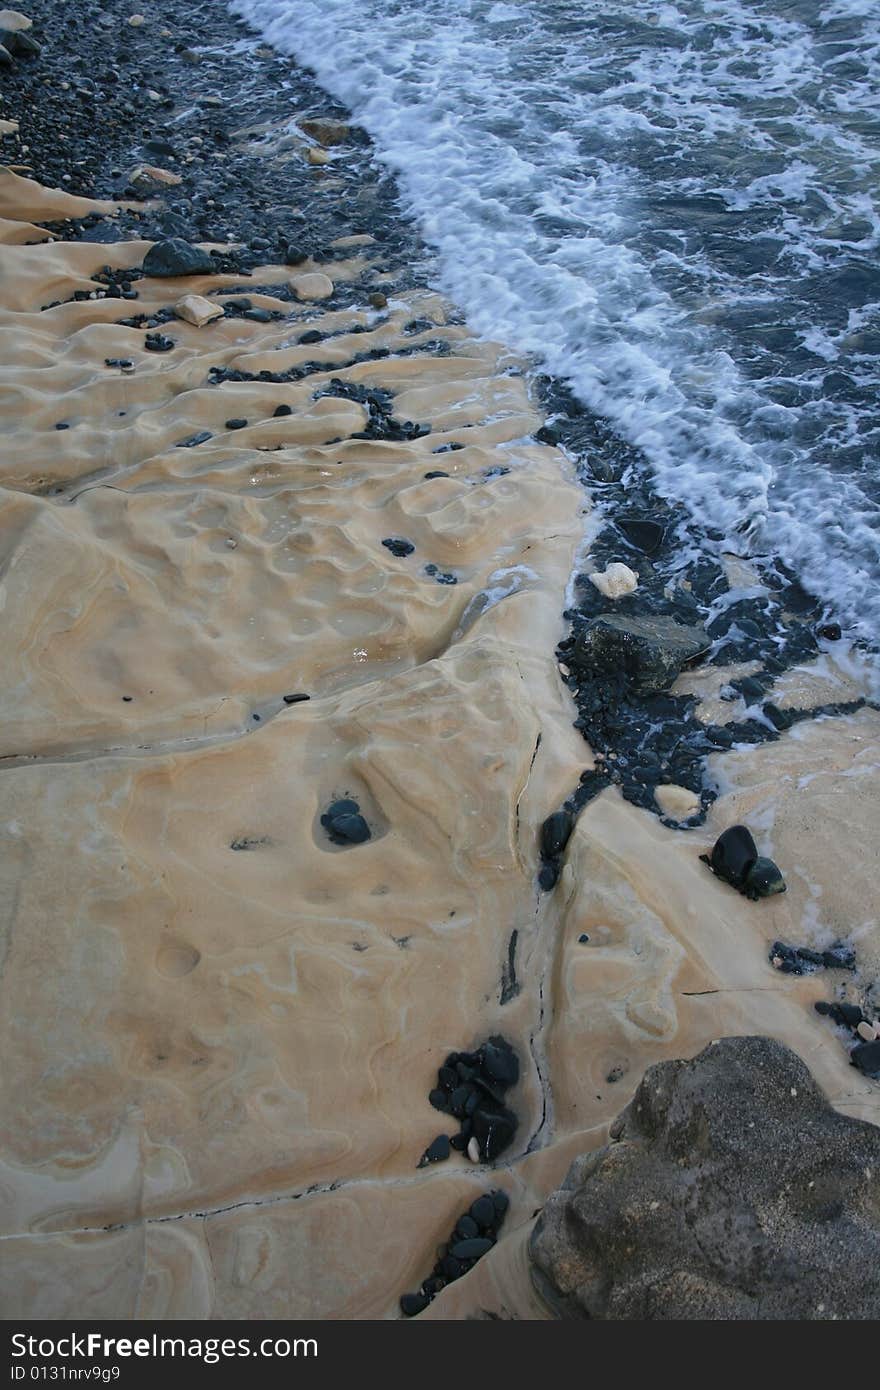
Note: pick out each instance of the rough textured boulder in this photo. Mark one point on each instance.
(649, 652)
(731, 1189)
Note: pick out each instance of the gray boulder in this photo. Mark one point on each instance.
(649, 652)
(731, 1190)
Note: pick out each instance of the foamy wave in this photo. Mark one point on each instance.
(670, 207)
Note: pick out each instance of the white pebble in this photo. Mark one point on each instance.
(473, 1149)
(615, 580)
(867, 1031)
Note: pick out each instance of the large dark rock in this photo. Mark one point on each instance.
(177, 257)
(731, 1190)
(648, 652)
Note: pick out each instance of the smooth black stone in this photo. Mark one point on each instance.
(501, 1201)
(467, 1228)
(501, 1062)
(312, 336)
(866, 1057)
(62, 425)
(733, 855)
(448, 1077)
(839, 958)
(436, 1152)
(751, 688)
(439, 1099)
(398, 546)
(194, 439)
(281, 410)
(583, 938)
(847, 1015)
(432, 1286)
(177, 257)
(556, 833)
(258, 315)
(118, 362)
(237, 424)
(436, 473)
(157, 342)
(548, 434)
(295, 699)
(473, 1101)
(413, 1303)
(831, 632)
(642, 533)
(494, 1130)
(460, 1142)
(345, 807)
(447, 448)
(451, 1267)
(294, 256)
(471, 1249)
(459, 1099)
(811, 957)
(549, 875)
(351, 830)
(781, 719)
(464, 1071)
(242, 304)
(483, 1211)
(791, 962)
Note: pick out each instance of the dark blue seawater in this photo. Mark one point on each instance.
(675, 208)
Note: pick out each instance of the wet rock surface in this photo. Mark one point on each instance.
(704, 1207)
(643, 734)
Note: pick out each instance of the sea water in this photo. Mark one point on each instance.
(673, 206)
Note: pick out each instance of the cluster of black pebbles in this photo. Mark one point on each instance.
(344, 823)
(471, 1087)
(474, 1235)
(864, 1031)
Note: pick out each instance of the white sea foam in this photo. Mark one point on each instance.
(670, 205)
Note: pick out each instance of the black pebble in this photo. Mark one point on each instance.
(830, 631)
(439, 1099)
(295, 699)
(471, 1249)
(237, 424)
(866, 1057)
(483, 1211)
(500, 1201)
(312, 336)
(501, 1062)
(436, 473)
(281, 410)
(467, 1228)
(398, 546)
(733, 855)
(556, 833)
(436, 1152)
(194, 439)
(642, 533)
(412, 1303)
(62, 425)
(847, 1015)
(549, 875)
